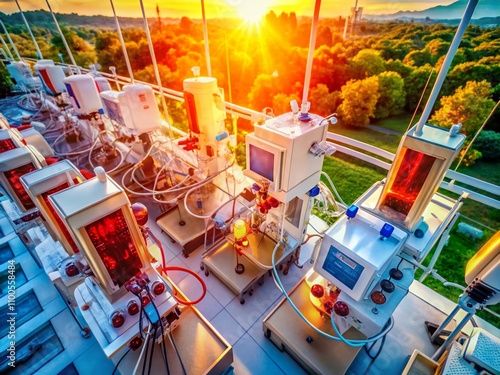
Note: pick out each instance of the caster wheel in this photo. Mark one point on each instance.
(242, 301)
(202, 267)
(260, 282)
(206, 272)
(270, 273)
(239, 269)
(280, 267)
(285, 272)
(267, 333)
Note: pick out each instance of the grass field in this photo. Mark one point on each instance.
(353, 177)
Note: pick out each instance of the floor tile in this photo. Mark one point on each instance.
(246, 351)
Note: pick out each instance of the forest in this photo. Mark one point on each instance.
(382, 70)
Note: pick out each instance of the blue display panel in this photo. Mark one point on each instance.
(262, 162)
(343, 268)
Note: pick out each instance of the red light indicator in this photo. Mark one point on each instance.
(378, 297)
(145, 300)
(6, 145)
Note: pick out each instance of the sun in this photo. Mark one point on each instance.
(251, 11)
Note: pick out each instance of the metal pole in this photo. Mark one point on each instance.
(29, 30)
(10, 41)
(122, 42)
(68, 50)
(312, 45)
(205, 38)
(155, 67)
(6, 47)
(471, 5)
(353, 17)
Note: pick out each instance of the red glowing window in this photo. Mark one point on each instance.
(112, 240)
(13, 177)
(56, 216)
(411, 176)
(6, 145)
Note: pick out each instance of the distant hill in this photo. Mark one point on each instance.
(484, 8)
(44, 18)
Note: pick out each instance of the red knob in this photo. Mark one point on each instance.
(145, 300)
(117, 319)
(341, 308)
(135, 343)
(317, 291)
(158, 288)
(71, 269)
(133, 307)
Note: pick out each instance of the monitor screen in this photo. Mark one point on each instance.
(114, 244)
(113, 109)
(262, 162)
(342, 267)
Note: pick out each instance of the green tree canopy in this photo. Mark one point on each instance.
(392, 95)
(367, 63)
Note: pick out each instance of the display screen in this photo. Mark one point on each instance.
(343, 268)
(111, 238)
(6, 145)
(113, 110)
(262, 162)
(56, 216)
(13, 177)
(410, 178)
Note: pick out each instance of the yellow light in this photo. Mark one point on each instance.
(240, 229)
(252, 10)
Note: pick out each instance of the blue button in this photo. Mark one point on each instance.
(352, 211)
(314, 191)
(386, 230)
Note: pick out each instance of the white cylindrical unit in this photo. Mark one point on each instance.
(143, 108)
(102, 84)
(52, 77)
(83, 93)
(208, 106)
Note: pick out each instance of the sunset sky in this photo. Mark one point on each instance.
(218, 8)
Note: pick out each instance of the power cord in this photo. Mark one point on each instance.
(118, 363)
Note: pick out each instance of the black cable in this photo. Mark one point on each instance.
(162, 332)
(146, 355)
(152, 349)
(381, 343)
(121, 359)
(171, 336)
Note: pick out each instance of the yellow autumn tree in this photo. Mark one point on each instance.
(469, 105)
(359, 101)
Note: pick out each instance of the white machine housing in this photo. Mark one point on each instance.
(278, 151)
(14, 164)
(52, 76)
(206, 113)
(40, 185)
(102, 84)
(416, 173)
(139, 108)
(115, 109)
(33, 137)
(99, 216)
(369, 318)
(353, 256)
(21, 75)
(83, 93)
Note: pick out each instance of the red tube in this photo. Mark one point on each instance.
(181, 269)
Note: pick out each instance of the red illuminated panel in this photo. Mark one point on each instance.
(112, 240)
(59, 221)
(6, 145)
(13, 177)
(410, 178)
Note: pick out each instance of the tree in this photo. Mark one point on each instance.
(470, 106)
(367, 63)
(359, 101)
(262, 92)
(281, 103)
(392, 95)
(415, 84)
(322, 101)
